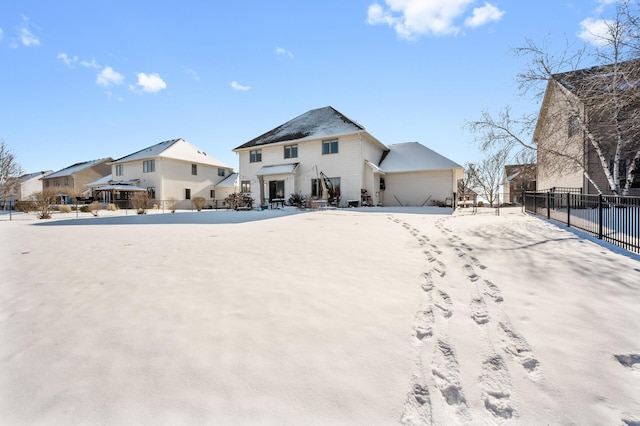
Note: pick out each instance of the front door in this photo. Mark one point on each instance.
(276, 189)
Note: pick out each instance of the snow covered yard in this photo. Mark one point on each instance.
(374, 316)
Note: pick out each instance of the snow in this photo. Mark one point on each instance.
(413, 156)
(339, 317)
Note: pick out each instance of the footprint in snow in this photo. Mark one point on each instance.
(471, 273)
(479, 312)
(496, 387)
(492, 290)
(424, 324)
(630, 361)
(443, 302)
(516, 345)
(445, 370)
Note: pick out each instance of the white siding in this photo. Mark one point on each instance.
(347, 164)
(415, 188)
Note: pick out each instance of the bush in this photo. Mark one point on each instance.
(25, 206)
(198, 203)
(297, 200)
(140, 201)
(172, 204)
(94, 208)
(64, 209)
(112, 207)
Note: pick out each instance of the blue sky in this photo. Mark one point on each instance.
(85, 80)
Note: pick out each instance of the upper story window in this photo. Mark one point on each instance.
(119, 169)
(148, 166)
(574, 125)
(194, 169)
(291, 151)
(330, 147)
(66, 181)
(220, 172)
(255, 156)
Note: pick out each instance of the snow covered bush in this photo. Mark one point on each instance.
(198, 203)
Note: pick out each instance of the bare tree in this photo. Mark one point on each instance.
(10, 170)
(485, 176)
(600, 103)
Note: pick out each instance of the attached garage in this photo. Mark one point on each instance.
(418, 176)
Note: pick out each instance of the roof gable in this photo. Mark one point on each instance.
(75, 168)
(313, 124)
(413, 156)
(175, 149)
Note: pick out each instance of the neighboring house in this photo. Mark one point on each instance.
(577, 108)
(324, 154)
(71, 181)
(516, 179)
(27, 185)
(172, 169)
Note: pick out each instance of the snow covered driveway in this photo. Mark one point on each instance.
(336, 317)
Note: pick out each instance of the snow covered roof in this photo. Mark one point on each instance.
(600, 79)
(177, 149)
(119, 187)
(277, 169)
(313, 124)
(229, 181)
(75, 168)
(413, 156)
(28, 176)
(102, 181)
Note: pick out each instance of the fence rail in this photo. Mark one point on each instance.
(615, 219)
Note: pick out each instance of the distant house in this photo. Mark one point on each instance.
(323, 154)
(225, 188)
(173, 169)
(516, 179)
(71, 181)
(578, 107)
(27, 185)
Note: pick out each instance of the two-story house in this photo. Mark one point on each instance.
(588, 118)
(324, 154)
(71, 181)
(516, 179)
(173, 169)
(26, 186)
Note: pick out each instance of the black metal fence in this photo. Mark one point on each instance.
(615, 219)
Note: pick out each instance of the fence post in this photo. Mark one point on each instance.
(548, 205)
(569, 209)
(600, 216)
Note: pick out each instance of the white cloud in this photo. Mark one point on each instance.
(1, 34)
(483, 15)
(150, 83)
(411, 18)
(238, 86)
(108, 77)
(595, 31)
(70, 62)
(26, 36)
(193, 74)
(90, 64)
(285, 52)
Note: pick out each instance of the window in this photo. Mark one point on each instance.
(56, 183)
(66, 181)
(245, 186)
(333, 185)
(255, 156)
(330, 147)
(187, 194)
(148, 166)
(291, 151)
(574, 125)
(212, 194)
(151, 191)
(46, 183)
(220, 172)
(194, 169)
(119, 168)
(635, 183)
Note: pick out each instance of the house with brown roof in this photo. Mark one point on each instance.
(71, 181)
(323, 154)
(590, 118)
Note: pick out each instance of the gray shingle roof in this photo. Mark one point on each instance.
(313, 124)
